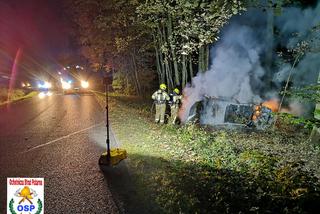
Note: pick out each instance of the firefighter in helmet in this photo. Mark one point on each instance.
(160, 98)
(175, 104)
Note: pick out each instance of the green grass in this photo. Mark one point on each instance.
(190, 169)
(16, 95)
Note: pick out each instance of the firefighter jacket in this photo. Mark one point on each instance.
(175, 100)
(160, 97)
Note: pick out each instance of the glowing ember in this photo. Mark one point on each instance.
(254, 117)
(256, 112)
(272, 104)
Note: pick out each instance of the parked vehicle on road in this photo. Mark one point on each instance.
(74, 79)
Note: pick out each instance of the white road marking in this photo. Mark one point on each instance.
(61, 138)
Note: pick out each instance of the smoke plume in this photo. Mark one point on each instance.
(245, 66)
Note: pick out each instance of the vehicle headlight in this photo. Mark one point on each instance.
(41, 95)
(47, 85)
(84, 84)
(65, 85)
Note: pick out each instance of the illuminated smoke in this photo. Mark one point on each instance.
(239, 70)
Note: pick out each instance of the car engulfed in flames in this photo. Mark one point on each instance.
(223, 112)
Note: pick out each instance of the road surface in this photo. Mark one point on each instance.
(59, 138)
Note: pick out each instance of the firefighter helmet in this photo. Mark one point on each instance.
(163, 86)
(177, 91)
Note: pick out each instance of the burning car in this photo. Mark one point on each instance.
(220, 111)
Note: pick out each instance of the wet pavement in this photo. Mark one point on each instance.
(59, 138)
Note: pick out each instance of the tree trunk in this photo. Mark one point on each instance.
(127, 80)
(269, 41)
(136, 76)
(161, 60)
(169, 76)
(167, 60)
(126, 68)
(160, 73)
(207, 58)
(162, 63)
(158, 62)
(174, 57)
(184, 71)
(191, 67)
(202, 59)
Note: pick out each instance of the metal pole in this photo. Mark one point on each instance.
(107, 116)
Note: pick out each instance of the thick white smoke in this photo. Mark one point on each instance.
(238, 72)
(235, 62)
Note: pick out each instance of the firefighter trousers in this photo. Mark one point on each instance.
(160, 112)
(174, 113)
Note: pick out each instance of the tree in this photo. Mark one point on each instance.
(133, 37)
(182, 31)
(113, 40)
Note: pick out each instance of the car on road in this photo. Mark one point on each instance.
(74, 80)
(45, 89)
(71, 85)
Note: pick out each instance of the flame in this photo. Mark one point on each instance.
(272, 104)
(184, 108)
(256, 112)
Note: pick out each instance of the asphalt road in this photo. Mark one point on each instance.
(59, 138)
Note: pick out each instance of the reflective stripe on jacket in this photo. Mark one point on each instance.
(160, 96)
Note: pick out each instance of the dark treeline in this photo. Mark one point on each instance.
(145, 42)
(148, 42)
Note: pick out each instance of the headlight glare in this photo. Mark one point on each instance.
(45, 85)
(65, 85)
(84, 84)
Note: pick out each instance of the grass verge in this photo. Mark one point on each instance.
(190, 169)
(16, 95)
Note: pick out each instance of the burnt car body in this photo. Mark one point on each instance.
(220, 111)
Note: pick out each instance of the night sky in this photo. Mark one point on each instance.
(41, 29)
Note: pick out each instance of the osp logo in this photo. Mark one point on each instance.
(25, 195)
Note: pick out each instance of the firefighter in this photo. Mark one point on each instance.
(160, 98)
(175, 104)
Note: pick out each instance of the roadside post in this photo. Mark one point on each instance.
(112, 156)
